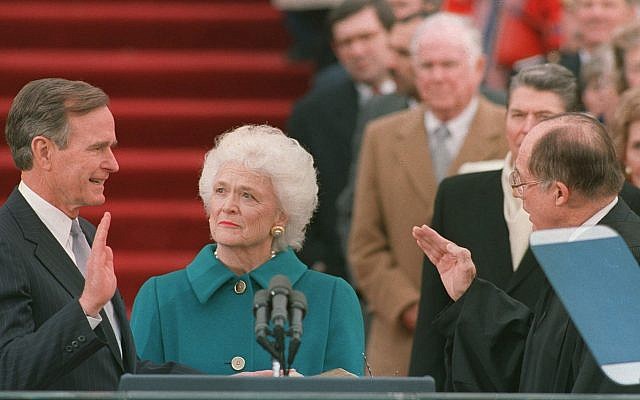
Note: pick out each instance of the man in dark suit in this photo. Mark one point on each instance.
(325, 119)
(63, 325)
(567, 175)
(478, 212)
(406, 95)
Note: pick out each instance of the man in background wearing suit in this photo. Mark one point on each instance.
(404, 155)
(478, 212)
(63, 325)
(406, 95)
(325, 119)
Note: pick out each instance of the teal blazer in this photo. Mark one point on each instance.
(195, 317)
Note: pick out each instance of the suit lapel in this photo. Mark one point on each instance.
(48, 251)
(343, 111)
(128, 348)
(56, 260)
(414, 156)
(527, 265)
(481, 141)
(491, 217)
(618, 213)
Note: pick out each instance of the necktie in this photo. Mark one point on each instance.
(81, 251)
(80, 247)
(440, 153)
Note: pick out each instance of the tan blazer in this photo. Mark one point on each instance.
(395, 190)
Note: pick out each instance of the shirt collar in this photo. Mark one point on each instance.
(366, 92)
(506, 171)
(207, 274)
(459, 125)
(600, 214)
(58, 223)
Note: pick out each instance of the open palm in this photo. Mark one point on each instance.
(453, 262)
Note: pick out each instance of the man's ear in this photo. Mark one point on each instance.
(562, 193)
(42, 150)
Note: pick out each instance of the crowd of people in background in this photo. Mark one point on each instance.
(463, 67)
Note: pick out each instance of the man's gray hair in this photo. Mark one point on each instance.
(552, 78)
(455, 26)
(41, 108)
(578, 151)
(269, 152)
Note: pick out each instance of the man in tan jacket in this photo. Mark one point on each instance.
(403, 158)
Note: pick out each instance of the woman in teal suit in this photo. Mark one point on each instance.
(259, 190)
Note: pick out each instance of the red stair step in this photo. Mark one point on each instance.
(149, 73)
(180, 123)
(141, 24)
(154, 224)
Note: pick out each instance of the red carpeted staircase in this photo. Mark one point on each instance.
(178, 73)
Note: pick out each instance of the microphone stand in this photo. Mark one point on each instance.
(278, 362)
(261, 309)
(265, 303)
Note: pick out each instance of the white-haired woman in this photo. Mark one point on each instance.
(259, 190)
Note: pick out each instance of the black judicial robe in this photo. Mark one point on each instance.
(497, 344)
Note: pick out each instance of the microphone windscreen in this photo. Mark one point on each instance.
(261, 298)
(298, 299)
(280, 283)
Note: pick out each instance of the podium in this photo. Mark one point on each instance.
(317, 384)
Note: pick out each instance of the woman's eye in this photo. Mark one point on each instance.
(219, 190)
(247, 195)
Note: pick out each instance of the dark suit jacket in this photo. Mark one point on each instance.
(374, 108)
(469, 211)
(324, 122)
(571, 61)
(46, 342)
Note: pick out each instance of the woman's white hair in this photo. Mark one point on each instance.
(269, 152)
(453, 26)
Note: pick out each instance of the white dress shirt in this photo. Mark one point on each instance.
(515, 216)
(458, 127)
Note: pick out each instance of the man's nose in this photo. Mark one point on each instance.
(529, 123)
(111, 164)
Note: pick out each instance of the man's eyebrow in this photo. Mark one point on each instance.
(103, 144)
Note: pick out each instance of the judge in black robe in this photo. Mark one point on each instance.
(503, 346)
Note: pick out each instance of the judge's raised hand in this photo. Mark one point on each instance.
(453, 262)
(100, 283)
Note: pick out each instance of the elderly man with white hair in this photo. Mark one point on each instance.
(403, 158)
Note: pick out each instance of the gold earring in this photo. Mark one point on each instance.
(277, 231)
(627, 170)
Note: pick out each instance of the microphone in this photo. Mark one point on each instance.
(279, 289)
(297, 309)
(261, 314)
(260, 311)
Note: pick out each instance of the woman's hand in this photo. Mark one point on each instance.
(267, 372)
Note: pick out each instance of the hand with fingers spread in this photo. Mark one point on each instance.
(453, 262)
(100, 283)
